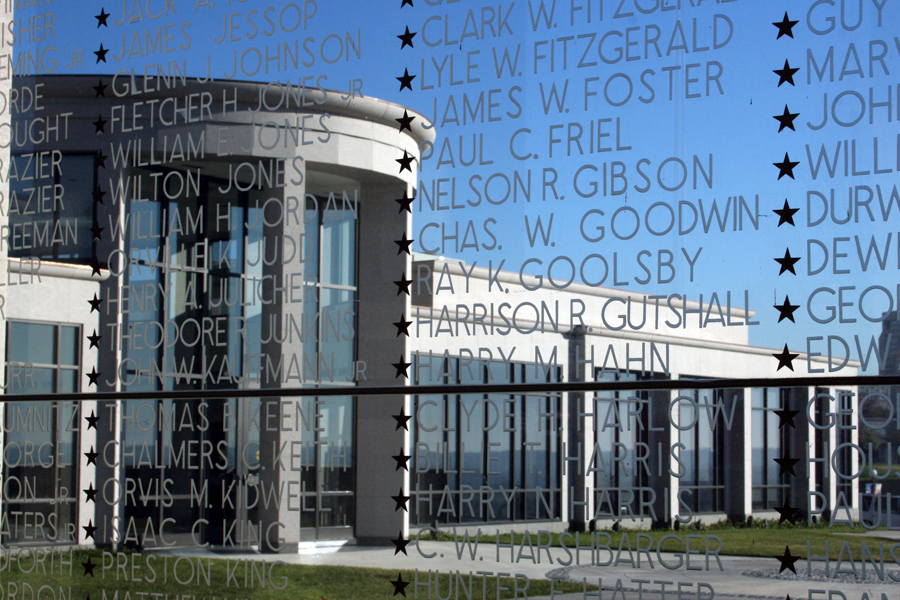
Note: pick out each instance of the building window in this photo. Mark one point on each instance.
(702, 488)
(769, 441)
(622, 465)
(51, 218)
(40, 445)
(484, 457)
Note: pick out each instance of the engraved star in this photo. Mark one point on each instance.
(787, 263)
(785, 26)
(787, 512)
(402, 326)
(405, 162)
(402, 420)
(407, 38)
(96, 230)
(787, 560)
(785, 74)
(399, 584)
(786, 119)
(95, 268)
(400, 545)
(88, 567)
(101, 54)
(786, 464)
(785, 358)
(100, 88)
(95, 340)
(92, 420)
(92, 456)
(403, 285)
(405, 121)
(406, 80)
(101, 18)
(89, 529)
(787, 310)
(401, 459)
(403, 244)
(98, 195)
(401, 367)
(786, 214)
(786, 167)
(405, 203)
(786, 417)
(93, 376)
(100, 125)
(91, 494)
(95, 303)
(100, 160)
(401, 501)
(405, 2)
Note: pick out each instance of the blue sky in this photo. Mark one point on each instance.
(725, 111)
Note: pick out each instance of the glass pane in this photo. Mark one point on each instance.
(32, 343)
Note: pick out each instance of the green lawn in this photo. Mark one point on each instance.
(765, 539)
(299, 582)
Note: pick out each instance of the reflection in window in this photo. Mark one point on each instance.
(40, 462)
(484, 457)
(769, 442)
(702, 489)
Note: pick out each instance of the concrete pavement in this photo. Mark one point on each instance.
(645, 575)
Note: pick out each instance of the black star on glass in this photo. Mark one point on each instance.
(402, 326)
(403, 285)
(93, 376)
(401, 501)
(785, 358)
(399, 584)
(95, 303)
(405, 162)
(787, 560)
(401, 367)
(406, 80)
(90, 494)
(403, 244)
(406, 38)
(95, 340)
(786, 512)
(400, 545)
(402, 420)
(92, 456)
(784, 27)
(95, 268)
(101, 18)
(92, 420)
(405, 203)
(786, 310)
(786, 167)
(89, 529)
(101, 54)
(786, 464)
(787, 262)
(100, 125)
(785, 74)
(98, 195)
(786, 119)
(405, 121)
(96, 230)
(100, 88)
(88, 567)
(401, 459)
(100, 160)
(786, 417)
(786, 214)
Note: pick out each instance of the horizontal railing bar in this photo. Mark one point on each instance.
(481, 388)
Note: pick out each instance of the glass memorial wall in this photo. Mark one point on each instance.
(449, 298)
